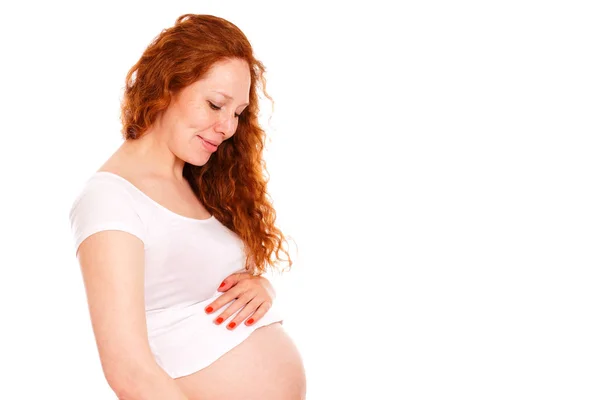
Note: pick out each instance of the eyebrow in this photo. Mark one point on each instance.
(228, 97)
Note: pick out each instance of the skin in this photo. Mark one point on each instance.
(254, 296)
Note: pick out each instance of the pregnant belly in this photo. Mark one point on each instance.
(265, 366)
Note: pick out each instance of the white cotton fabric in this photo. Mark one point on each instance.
(186, 260)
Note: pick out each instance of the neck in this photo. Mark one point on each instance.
(150, 155)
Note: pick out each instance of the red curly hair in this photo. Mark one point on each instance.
(232, 185)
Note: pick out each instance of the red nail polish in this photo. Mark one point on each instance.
(222, 284)
(250, 321)
(219, 320)
(231, 325)
(209, 309)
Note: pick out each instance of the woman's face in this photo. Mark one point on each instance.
(204, 114)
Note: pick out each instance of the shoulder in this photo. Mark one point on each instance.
(105, 202)
(102, 186)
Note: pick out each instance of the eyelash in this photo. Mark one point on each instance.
(218, 108)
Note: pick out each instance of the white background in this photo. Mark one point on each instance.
(436, 164)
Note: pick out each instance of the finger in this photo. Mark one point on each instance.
(248, 310)
(233, 308)
(223, 299)
(232, 280)
(259, 313)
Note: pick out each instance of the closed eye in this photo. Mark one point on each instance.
(218, 108)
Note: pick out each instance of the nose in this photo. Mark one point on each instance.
(226, 126)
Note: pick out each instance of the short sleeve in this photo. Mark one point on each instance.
(103, 206)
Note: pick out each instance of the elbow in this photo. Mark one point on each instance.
(127, 383)
(123, 385)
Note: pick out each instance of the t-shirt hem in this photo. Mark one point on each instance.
(182, 372)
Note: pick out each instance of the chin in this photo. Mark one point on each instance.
(198, 161)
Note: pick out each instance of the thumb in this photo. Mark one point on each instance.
(229, 282)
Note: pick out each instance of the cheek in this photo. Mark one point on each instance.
(199, 120)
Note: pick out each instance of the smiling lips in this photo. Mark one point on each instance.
(209, 145)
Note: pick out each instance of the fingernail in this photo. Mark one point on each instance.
(219, 320)
(209, 309)
(222, 284)
(231, 325)
(250, 321)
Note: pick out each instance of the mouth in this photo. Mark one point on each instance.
(210, 146)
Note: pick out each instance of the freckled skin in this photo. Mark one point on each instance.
(191, 113)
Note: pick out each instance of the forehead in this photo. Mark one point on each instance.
(231, 77)
(228, 69)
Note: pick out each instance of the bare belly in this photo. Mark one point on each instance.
(265, 366)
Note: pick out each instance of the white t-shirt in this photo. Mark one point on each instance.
(186, 260)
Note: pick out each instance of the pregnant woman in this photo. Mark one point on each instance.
(174, 230)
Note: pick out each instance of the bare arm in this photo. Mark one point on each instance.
(112, 265)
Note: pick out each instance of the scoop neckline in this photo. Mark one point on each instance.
(119, 177)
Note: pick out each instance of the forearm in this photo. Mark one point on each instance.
(150, 383)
